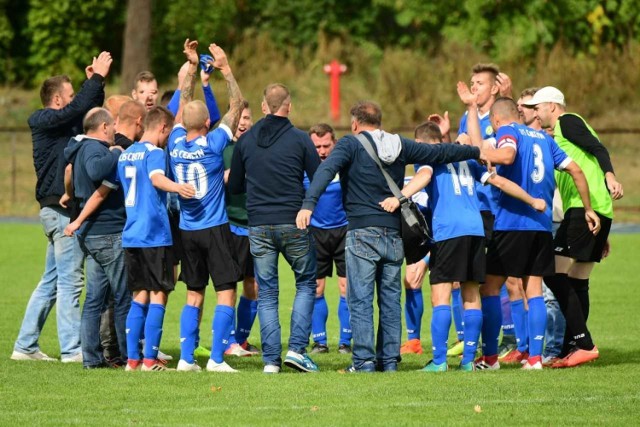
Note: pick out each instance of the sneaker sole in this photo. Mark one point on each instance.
(294, 364)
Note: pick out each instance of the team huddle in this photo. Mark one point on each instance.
(133, 189)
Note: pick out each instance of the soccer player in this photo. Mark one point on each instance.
(329, 229)
(196, 158)
(487, 83)
(577, 249)
(238, 221)
(147, 237)
(417, 262)
(521, 245)
(458, 254)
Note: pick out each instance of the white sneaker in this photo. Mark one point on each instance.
(237, 350)
(536, 366)
(184, 366)
(219, 367)
(77, 358)
(271, 369)
(164, 356)
(38, 355)
(482, 365)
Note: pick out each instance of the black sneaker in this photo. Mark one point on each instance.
(344, 349)
(319, 348)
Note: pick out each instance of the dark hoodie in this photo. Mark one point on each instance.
(364, 186)
(269, 162)
(94, 164)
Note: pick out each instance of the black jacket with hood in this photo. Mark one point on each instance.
(269, 162)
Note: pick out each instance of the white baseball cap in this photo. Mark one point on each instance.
(546, 94)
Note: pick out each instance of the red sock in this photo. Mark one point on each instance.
(149, 362)
(491, 360)
(534, 359)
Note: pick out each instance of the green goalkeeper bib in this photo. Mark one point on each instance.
(600, 198)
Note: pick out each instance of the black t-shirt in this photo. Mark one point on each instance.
(575, 130)
(123, 141)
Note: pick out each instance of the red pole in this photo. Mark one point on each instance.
(334, 69)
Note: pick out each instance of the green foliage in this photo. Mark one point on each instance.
(66, 34)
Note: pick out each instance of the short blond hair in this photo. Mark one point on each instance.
(114, 102)
(276, 96)
(195, 115)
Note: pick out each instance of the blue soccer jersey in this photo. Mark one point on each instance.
(486, 193)
(329, 212)
(537, 155)
(199, 162)
(454, 201)
(147, 223)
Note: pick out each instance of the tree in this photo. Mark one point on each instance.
(137, 39)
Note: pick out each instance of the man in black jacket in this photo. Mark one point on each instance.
(373, 248)
(51, 129)
(270, 161)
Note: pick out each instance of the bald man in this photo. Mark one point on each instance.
(270, 161)
(196, 157)
(94, 160)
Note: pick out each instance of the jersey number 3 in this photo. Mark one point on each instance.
(538, 165)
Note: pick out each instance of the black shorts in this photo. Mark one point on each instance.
(149, 269)
(177, 249)
(209, 253)
(243, 255)
(330, 249)
(574, 240)
(461, 259)
(488, 218)
(520, 254)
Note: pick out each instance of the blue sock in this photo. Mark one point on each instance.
(491, 321)
(458, 312)
(537, 325)
(134, 326)
(319, 320)
(508, 328)
(519, 315)
(153, 330)
(345, 322)
(188, 332)
(472, 327)
(221, 329)
(246, 314)
(413, 311)
(146, 310)
(440, 324)
(232, 333)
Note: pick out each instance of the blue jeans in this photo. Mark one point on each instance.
(298, 249)
(105, 276)
(62, 281)
(374, 258)
(554, 334)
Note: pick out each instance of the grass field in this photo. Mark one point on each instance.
(35, 393)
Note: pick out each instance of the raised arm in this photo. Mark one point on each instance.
(236, 100)
(209, 97)
(189, 82)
